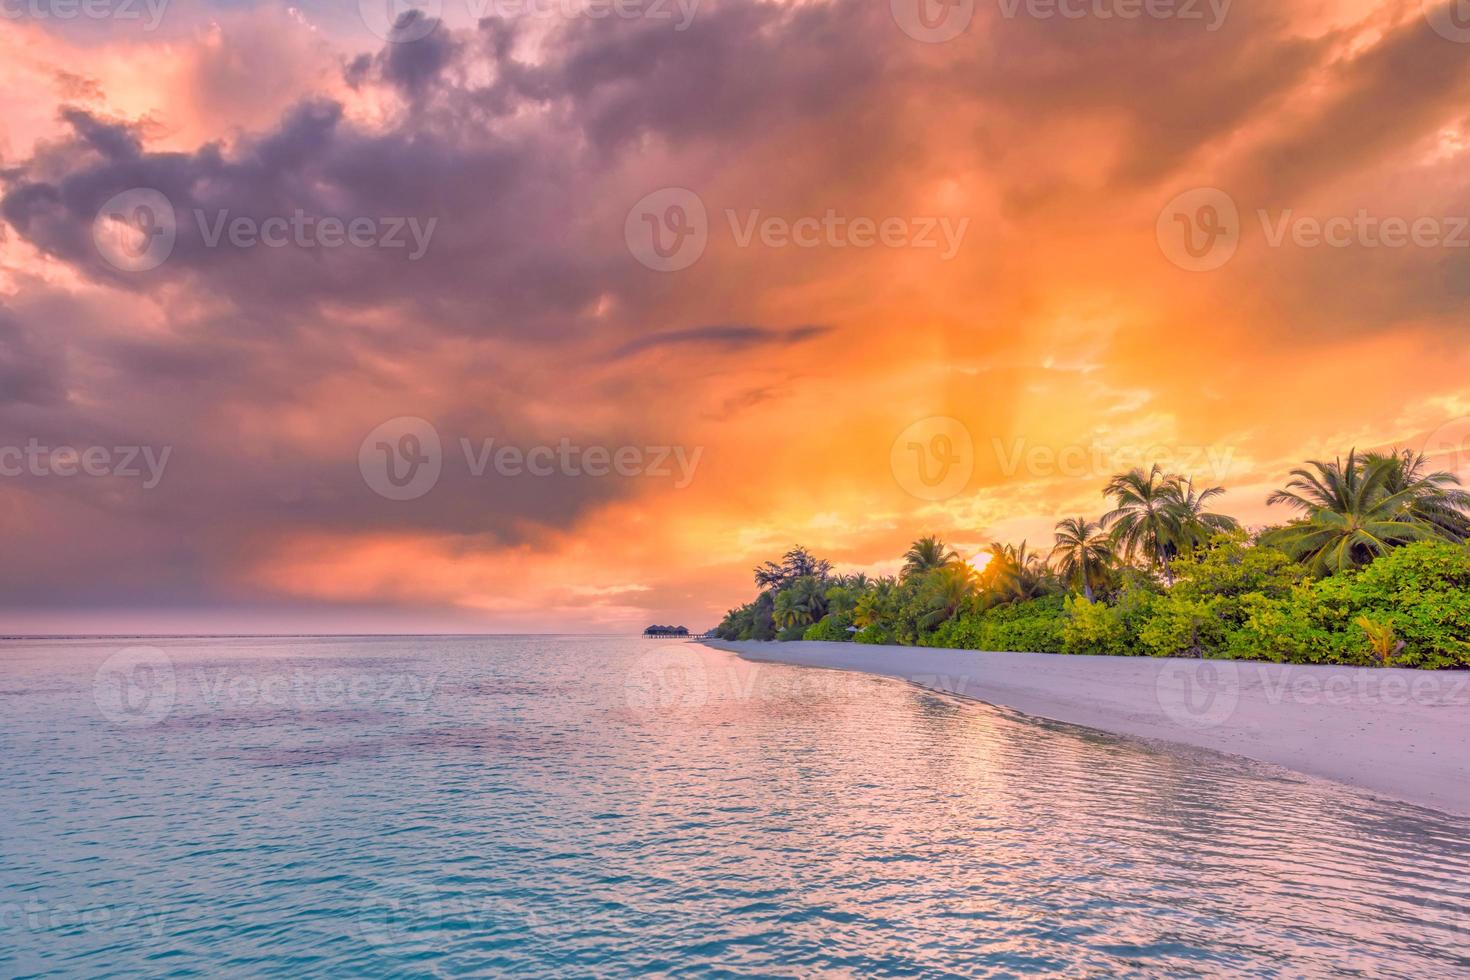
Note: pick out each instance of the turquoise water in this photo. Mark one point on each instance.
(576, 806)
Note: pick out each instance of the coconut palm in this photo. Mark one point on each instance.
(927, 554)
(1436, 497)
(945, 592)
(1350, 517)
(1193, 525)
(873, 604)
(1014, 574)
(1082, 553)
(1144, 519)
(787, 612)
(810, 595)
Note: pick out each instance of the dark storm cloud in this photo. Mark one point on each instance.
(31, 367)
(726, 337)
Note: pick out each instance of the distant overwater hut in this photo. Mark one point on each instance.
(657, 631)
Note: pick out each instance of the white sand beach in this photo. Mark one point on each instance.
(1398, 733)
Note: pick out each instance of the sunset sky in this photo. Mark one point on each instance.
(938, 285)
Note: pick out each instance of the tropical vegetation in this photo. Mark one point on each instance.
(1373, 569)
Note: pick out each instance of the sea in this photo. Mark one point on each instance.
(609, 806)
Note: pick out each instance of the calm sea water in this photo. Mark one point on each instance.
(582, 806)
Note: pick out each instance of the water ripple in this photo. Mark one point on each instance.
(535, 807)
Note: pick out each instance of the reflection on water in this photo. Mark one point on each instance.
(617, 806)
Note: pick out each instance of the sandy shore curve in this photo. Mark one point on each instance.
(1403, 734)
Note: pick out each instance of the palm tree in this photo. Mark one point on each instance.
(1193, 525)
(1144, 518)
(1436, 497)
(1082, 553)
(945, 592)
(927, 554)
(787, 613)
(872, 605)
(1350, 517)
(1014, 574)
(810, 596)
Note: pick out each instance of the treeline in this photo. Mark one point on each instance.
(1374, 570)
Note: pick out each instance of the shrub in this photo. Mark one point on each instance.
(1094, 627)
(1034, 626)
(830, 628)
(1423, 591)
(1110, 629)
(873, 634)
(1184, 626)
(790, 633)
(1308, 626)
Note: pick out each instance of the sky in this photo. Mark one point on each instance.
(561, 315)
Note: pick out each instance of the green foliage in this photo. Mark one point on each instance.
(1423, 591)
(1181, 626)
(1381, 639)
(926, 555)
(1109, 628)
(1361, 508)
(1420, 591)
(1082, 554)
(1208, 599)
(1173, 579)
(1158, 515)
(752, 621)
(1095, 628)
(1033, 626)
(1305, 627)
(831, 629)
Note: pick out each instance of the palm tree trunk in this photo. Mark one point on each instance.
(1164, 564)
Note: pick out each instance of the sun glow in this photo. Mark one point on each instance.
(978, 562)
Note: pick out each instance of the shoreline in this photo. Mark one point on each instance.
(1403, 734)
